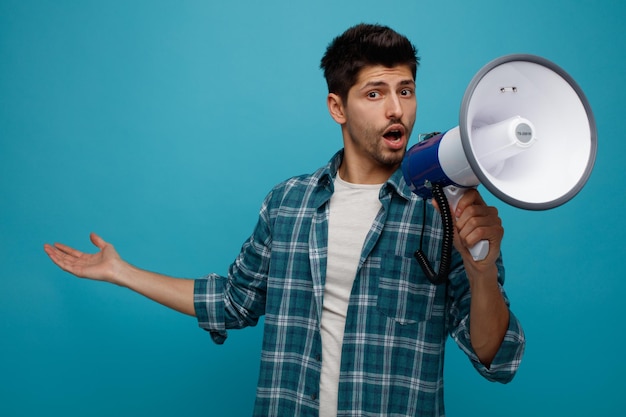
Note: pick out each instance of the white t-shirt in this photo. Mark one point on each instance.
(353, 208)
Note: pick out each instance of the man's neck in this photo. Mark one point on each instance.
(355, 173)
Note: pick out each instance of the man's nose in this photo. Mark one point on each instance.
(393, 107)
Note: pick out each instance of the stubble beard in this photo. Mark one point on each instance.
(375, 147)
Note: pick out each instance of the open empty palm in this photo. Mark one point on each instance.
(99, 266)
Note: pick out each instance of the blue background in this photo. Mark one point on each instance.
(162, 124)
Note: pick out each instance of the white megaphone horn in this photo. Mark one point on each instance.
(526, 132)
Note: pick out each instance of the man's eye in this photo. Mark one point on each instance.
(373, 94)
(406, 92)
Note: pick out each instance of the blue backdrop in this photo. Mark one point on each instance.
(162, 124)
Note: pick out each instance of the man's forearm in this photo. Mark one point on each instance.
(489, 316)
(175, 293)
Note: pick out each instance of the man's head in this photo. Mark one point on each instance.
(361, 46)
(370, 71)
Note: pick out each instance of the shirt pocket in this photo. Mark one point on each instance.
(404, 293)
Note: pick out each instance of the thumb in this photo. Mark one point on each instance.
(434, 204)
(97, 240)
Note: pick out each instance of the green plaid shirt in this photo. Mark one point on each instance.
(397, 321)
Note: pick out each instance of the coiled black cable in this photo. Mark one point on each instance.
(446, 243)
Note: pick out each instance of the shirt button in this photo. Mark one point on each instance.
(314, 396)
(318, 357)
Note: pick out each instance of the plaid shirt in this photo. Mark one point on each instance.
(397, 321)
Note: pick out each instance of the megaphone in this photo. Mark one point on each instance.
(526, 132)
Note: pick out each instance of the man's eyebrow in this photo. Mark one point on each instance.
(379, 83)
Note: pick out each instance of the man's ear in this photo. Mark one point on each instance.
(336, 108)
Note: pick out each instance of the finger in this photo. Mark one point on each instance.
(61, 259)
(97, 240)
(475, 235)
(49, 249)
(470, 198)
(434, 203)
(473, 214)
(482, 228)
(64, 249)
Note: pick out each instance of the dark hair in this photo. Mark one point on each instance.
(360, 46)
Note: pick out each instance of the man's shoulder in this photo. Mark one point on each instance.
(302, 183)
(321, 177)
(300, 191)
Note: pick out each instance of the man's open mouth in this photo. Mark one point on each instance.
(393, 135)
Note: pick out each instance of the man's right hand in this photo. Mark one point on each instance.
(106, 265)
(102, 266)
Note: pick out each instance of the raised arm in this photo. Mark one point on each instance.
(489, 314)
(106, 265)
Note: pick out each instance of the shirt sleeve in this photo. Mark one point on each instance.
(508, 358)
(237, 300)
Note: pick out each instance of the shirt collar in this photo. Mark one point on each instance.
(326, 175)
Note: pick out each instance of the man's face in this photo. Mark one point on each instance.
(379, 115)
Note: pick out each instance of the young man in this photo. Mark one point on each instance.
(352, 325)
